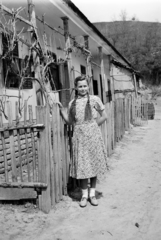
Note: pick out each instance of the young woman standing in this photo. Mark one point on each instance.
(89, 153)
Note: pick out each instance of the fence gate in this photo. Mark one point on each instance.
(19, 168)
(141, 111)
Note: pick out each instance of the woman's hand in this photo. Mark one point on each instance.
(60, 105)
(63, 112)
(102, 119)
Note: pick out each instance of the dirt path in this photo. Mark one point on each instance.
(129, 200)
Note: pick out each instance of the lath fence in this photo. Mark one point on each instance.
(54, 152)
(35, 155)
(121, 114)
(141, 111)
(18, 156)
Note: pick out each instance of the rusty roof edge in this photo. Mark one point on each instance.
(85, 19)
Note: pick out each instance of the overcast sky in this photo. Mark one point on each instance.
(110, 10)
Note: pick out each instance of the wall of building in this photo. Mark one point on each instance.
(119, 78)
(122, 81)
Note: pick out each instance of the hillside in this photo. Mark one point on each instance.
(139, 42)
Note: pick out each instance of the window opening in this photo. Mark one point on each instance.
(13, 65)
(83, 69)
(109, 94)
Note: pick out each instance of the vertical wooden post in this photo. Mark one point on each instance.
(89, 68)
(68, 53)
(19, 141)
(26, 141)
(124, 114)
(4, 150)
(64, 158)
(114, 123)
(32, 19)
(43, 116)
(1, 67)
(135, 85)
(33, 143)
(59, 152)
(102, 73)
(55, 167)
(67, 153)
(31, 12)
(12, 143)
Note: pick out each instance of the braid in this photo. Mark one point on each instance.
(72, 110)
(88, 110)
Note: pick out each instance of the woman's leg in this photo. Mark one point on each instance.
(93, 181)
(92, 192)
(84, 183)
(92, 186)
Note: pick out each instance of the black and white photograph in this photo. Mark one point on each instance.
(80, 120)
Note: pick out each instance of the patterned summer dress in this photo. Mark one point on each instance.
(89, 154)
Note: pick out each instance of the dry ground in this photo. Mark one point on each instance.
(129, 199)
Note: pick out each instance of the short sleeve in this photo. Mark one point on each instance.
(99, 105)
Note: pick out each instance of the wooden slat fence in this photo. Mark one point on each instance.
(18, 156)
(54, 152)
(141, 111)
(55, 145)
(35, 154)
(121, 114)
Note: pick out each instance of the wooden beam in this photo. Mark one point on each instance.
(66, 27)
(102, 73)
(38, 126)
(86, 42)
(68, 53)
(23, 185)
(17, 194)
(7, 10)
(45, 23)
(135, 85)
(95, 64)
(89, 70)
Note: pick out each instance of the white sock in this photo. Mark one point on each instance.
(85, 193)
(92, 192)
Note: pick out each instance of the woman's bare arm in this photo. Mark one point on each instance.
(64, 113)
(103, 118)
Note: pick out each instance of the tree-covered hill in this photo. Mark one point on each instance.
(139, 42)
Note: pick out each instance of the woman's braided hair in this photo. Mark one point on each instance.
(72, 110)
